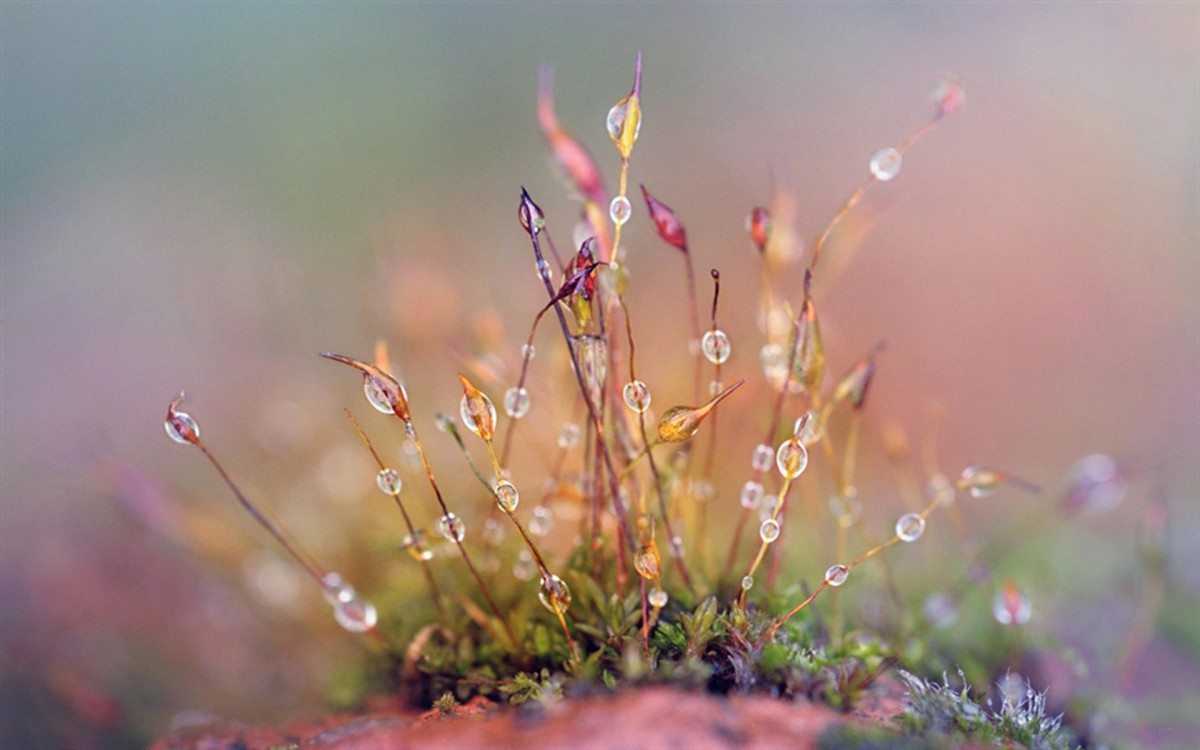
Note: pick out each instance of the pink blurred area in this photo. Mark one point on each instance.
(204, 198)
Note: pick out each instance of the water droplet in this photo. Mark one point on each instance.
(615, 122)
(885, 164)
(376, 394)
(703, 490)
(416, 546)
(647, 562)
(979, 481)
(507, 496)
(592, 353)
(1094, 485)
(836, 575)
(658, 598)
(939, 610)
(910, 527)
(715, 387)
(747, 583)
(568, 436)
(516, 402)
(351, 611)
(181, 427)
(792, 459)
(941, 490)
(555, 594)
(620, 210)
(716, 347)
(949, 96)
(524, 568)
(452, 527)
(813, 429)
(527, 351)
(542, 269)
(1010, 605)
(637, 396)
(476, 410)
(388, 481)
(760, 460)
(541, 521)
(769, 531)
(751, 494)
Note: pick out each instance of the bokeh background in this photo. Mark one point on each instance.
(205, 196)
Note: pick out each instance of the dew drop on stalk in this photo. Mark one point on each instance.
(703, 490)
(351, 611)
(541, 521)
(388, 481)
(791, 459)
(761, 459)
(885, 164)
(1011, 606)
(658, 598)
(180, 426)
(845, 508)
(716, 347)
(939, 610)
(769, 531)
(568, 436)
(715, 387)
(751, 494)
(524, 568)
(555, 594)
(836, 575)
(416, 546)
(620, 210)
(507, 496)
(452, 527)
(637, 396)
(910, 527)
(516, 402)
(527, 351)
(747, 583)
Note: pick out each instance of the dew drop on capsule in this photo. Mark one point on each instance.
(637, 396)
(910, 527)
(388, 481)
(452, 527)
(760, 460)
(769, 531)
(507, 496)
(813, 429)
(620, 210)
(836, 575)
(182, 428)
(980, 482)
(885, 164)
(516, 402)
(554, 592)
(791, 459)
(568, 436)
(716, 347)
(466, 412)
(751, 494)
(1010, 605)
(658, 598)
(615, 122)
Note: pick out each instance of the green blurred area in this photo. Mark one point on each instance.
(205, 196)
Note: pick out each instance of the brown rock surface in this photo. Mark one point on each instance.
(655, 718)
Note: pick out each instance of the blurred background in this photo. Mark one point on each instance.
(203, 197)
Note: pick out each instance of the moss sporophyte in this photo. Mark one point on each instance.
(619, 546)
